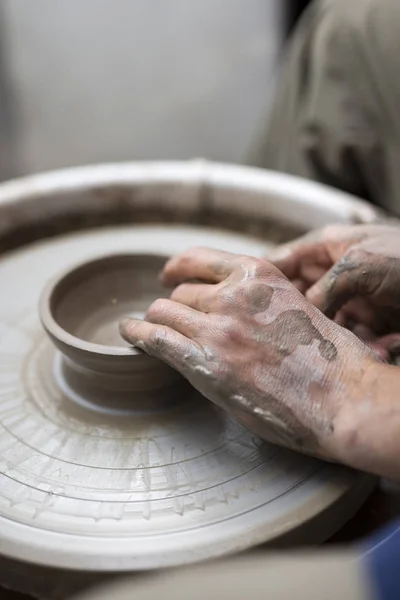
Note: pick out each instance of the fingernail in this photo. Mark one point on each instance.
(162, 280)
(278, 254)
(124, 327)
(124, 321)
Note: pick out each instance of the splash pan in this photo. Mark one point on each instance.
(91, 483)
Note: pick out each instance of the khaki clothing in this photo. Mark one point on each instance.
(336, 113)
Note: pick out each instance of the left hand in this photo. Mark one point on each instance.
(249, 341)
(352, 274)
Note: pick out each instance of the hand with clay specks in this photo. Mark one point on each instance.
(352, 274)
(249, 341)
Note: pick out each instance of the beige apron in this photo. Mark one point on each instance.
(335, 116)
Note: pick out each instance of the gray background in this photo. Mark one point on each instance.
(109, 80)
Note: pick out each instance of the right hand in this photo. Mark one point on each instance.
(251, 343)
(352, 274)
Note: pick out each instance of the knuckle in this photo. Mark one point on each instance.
(263, 269)
(246, 263)
(185, 258)
(232, 297)
(230, 330)
(191, 253)
(249, 297)
(348, 263)
(349, 276)
(159, 307)
(354, 256)
(333, 231)
(228, 297)
(158, 339)
(245, 259)
(179, 291)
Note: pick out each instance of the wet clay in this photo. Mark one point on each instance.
(369, 276)
(168, 487)
(282, 429)
(279, 422)
(268, 414)
(90, 300)
(152, 481)
(243, 349)
(294, 328)
(80, 311)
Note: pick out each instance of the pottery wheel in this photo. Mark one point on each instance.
(96, 491)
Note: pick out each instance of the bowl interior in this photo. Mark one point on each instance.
(90, 300)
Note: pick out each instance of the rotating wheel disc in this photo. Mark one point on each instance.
(85, 490)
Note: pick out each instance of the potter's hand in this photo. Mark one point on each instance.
(251, 343)
(352, 274)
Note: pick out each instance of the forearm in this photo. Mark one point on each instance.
(368, 427)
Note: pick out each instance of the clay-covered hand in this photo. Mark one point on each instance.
(241, 333)
(352, 274)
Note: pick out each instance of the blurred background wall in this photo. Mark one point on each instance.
(101, 80)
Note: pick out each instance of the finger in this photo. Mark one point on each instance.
(341, 319)
(306, 258)
(380, 352)
(344, 281)
(287, 258)
(160, 342)
(282, 251)
(196, 295)
(203, 264)
(363, 332)
(390, 342)
(311, 255)
(357, 311)
(180, 318)
(300, 285)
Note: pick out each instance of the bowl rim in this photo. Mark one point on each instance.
(60, 334)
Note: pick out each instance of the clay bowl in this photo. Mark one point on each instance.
(80, 311)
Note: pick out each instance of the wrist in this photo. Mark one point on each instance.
(344, 382)
(361, 424)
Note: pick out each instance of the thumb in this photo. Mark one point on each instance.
(339, 285)
(296, 258)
